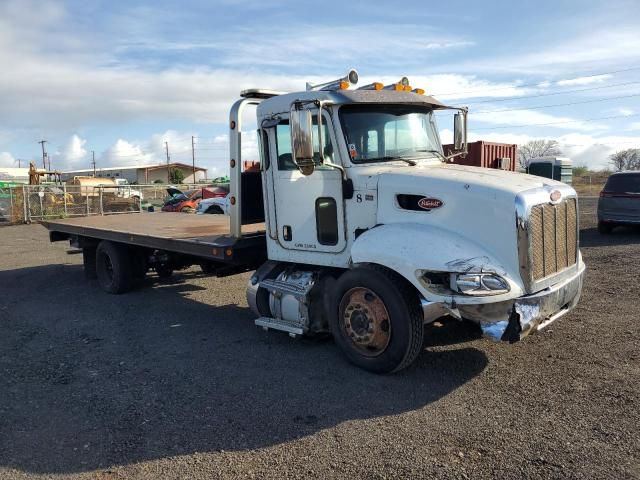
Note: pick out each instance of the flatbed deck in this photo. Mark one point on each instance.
(206, 236)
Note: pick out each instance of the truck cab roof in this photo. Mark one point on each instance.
(281, 103)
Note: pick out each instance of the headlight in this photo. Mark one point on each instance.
(478, 283)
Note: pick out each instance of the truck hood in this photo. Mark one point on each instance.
(478, 204)
(459, 174)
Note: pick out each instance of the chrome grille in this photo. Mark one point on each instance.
(553, 238)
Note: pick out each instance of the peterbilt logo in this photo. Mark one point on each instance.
(428, 203)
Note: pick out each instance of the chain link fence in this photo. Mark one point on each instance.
(589, 185)
(32, 203)
(11, 205)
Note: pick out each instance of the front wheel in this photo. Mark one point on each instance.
(376, 320)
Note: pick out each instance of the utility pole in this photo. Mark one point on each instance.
(193, 157)
(93, 162)
(44, 154)
(166, 146)
(18, 162)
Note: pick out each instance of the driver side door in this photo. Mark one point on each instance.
(309, 210)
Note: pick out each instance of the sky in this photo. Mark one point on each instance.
(121, 78)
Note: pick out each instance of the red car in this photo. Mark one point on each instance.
(179, 201)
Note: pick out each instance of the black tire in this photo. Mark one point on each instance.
(605, 228)
(163, 271)
(113, 267)
(208, 268)
(214, 209)
(89, 263)
(404, 326)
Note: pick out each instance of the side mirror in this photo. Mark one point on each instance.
(459, 132)
(301, 124)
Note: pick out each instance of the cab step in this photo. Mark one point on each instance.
(293, 329)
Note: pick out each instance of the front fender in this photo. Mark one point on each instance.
(406, 248)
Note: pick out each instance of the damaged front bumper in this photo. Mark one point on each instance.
(513, 320)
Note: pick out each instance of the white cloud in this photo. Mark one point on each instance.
(454, 86)
(624, 111)
(584, 80)
(534, 117)
(73, 154)
(597, 49)
(7, 160)
(123, 153)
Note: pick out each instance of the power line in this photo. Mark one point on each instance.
(557, 123)
(554, 93)
(596, 144)
(537, 84)
(557, 104)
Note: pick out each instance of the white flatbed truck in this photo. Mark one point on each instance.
(358, 225)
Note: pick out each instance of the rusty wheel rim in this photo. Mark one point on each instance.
(365, 321)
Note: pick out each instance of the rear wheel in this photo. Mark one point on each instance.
(113, 267)
(376, 320)
(605, 228)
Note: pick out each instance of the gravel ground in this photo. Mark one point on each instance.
(175, 381)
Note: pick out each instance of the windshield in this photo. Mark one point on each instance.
(379, 133)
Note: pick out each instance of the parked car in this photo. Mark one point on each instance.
(179, 201)
(216, 205)
(619, 202)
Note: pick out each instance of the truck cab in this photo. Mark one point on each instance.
(363, 213)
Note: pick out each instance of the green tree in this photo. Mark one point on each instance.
(580, 170)
(176, 175)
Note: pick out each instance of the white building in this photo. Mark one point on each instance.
(142, 174)
(11, 174)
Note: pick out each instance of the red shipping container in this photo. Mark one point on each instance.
(487, 155)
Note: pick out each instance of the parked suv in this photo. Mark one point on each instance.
(619, 202)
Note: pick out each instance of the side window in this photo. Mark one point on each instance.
(329, 154)
(283, 143)
(264, 148)
(327, 221)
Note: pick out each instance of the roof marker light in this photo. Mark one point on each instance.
(400, 86)
(372, 86)
(419, 91)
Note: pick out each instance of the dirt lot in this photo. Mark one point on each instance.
(175, 381)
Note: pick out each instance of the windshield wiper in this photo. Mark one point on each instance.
(390, 158)
(437, 152)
